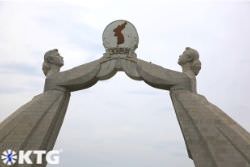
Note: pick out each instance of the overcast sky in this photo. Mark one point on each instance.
(122, 122)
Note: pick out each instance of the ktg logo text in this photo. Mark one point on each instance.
(10, 157)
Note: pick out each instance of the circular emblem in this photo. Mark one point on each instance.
(9, 157)
(120, 37)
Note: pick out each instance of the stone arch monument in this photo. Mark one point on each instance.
(212, 138)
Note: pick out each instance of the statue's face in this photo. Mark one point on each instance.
(184, 58)
(58, 58)
(181, 59)
(52, 58)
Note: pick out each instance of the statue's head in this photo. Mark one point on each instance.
(190, 58)
(52, 59)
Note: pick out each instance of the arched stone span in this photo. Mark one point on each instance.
(88, 74)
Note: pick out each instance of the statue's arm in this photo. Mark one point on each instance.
(158, 76)
(77, 78)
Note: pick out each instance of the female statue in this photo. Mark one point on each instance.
(35, 125)
(212, 138)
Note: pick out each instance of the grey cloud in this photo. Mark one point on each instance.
(20, 68)
(138, 92)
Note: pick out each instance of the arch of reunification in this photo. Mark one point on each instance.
(212, 138)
